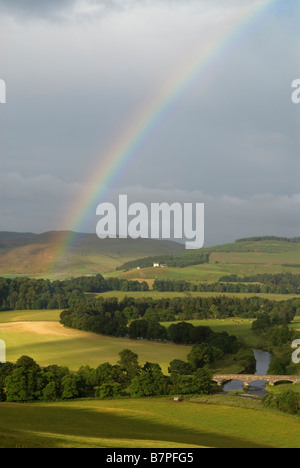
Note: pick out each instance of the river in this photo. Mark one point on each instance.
(263, 360)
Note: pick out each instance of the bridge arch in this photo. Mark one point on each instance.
(283, 380)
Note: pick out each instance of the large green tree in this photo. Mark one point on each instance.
(129, 364)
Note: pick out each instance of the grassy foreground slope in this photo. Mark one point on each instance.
(146, 423)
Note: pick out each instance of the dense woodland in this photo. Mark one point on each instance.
(140, 319)
(33, 294)
(25, 293)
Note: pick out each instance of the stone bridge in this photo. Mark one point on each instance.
(248, 379)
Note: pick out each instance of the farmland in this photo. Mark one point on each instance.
(141, 423)
(210, 421)
(40, 335)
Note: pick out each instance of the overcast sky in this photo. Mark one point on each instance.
(79, 71)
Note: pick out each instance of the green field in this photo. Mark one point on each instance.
(242, 259)
(30, 316)
(165, 295)
(208, 272)
(38, 334)
(147, 423)
(223, 421)
(240, 327)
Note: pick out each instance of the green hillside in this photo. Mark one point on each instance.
(147, 423)
(270, 255)
(42, 254)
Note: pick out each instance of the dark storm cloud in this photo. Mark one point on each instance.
(52, 9)
(35, 8)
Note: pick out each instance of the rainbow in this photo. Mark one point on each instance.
(113, 165)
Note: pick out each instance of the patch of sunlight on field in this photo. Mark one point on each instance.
(30, 315)
(52, 343)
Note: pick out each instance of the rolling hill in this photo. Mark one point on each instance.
(270, 255)
(42, 254)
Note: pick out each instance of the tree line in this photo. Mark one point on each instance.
(280, 283)
(35, 294)
(183, 260)
(294, 240)
(173, 309)
(107, 317)
(283, 283)
(26, 381)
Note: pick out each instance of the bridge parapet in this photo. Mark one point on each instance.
(248, 379)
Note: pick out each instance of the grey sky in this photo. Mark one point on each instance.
(79, 71)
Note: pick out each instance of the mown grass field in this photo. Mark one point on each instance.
(147, 423)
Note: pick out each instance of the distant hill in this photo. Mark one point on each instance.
(267, 244)
(42, 255)
(265, 255)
